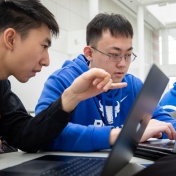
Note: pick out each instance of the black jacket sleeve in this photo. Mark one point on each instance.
(23, 131)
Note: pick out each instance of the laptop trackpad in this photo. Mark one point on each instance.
(34, 166)
(130, 169)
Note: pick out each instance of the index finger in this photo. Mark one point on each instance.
(118, 85)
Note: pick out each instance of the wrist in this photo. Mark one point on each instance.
(114, 133)
(69, 100)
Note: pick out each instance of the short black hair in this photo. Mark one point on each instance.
(117, 24)
(23, 15)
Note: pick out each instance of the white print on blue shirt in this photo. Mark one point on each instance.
(99, 123)
(109, 111)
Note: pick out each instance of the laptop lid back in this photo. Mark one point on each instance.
(136, 123)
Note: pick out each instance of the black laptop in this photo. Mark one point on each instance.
(165, 145)
(154, 149)
(118, 161)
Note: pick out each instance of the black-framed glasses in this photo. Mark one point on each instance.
(117, 57)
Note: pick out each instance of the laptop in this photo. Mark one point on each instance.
(154, 149)
(118, 161)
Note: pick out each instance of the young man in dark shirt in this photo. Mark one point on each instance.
(26, 27)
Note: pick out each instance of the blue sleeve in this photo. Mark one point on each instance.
(53, 89)
(161, 115)
(74, 137)
(81, 138)
(167, 99)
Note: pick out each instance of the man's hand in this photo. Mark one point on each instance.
(92, 83)
(155, 129)
(89, 84)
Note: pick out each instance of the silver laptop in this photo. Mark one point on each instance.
(122, 151)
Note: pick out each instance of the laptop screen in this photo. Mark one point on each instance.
(137, 120)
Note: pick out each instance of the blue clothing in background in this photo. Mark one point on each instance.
(91, 122)
(168, 100)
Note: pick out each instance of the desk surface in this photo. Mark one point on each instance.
(14, 158)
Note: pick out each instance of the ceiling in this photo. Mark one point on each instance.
(164, 11)
(157, 13)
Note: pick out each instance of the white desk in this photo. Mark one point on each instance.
(14, 158)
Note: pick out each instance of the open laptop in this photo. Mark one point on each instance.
(122, 151)
(156, 148)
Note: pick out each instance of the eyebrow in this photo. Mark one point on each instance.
(48, 41)
(119, 49)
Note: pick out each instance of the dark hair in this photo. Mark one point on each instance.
(117, 24)
(23, 15)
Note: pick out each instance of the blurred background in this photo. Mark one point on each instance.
(154, 24)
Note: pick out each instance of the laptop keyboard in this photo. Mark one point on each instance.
(78, 167)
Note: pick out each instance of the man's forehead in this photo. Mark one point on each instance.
(42, 31)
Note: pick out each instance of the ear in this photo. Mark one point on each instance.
(88, 52)
(9, 38)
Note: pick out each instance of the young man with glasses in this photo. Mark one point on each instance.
(95, 124)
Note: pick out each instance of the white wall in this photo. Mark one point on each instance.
(72, 17)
